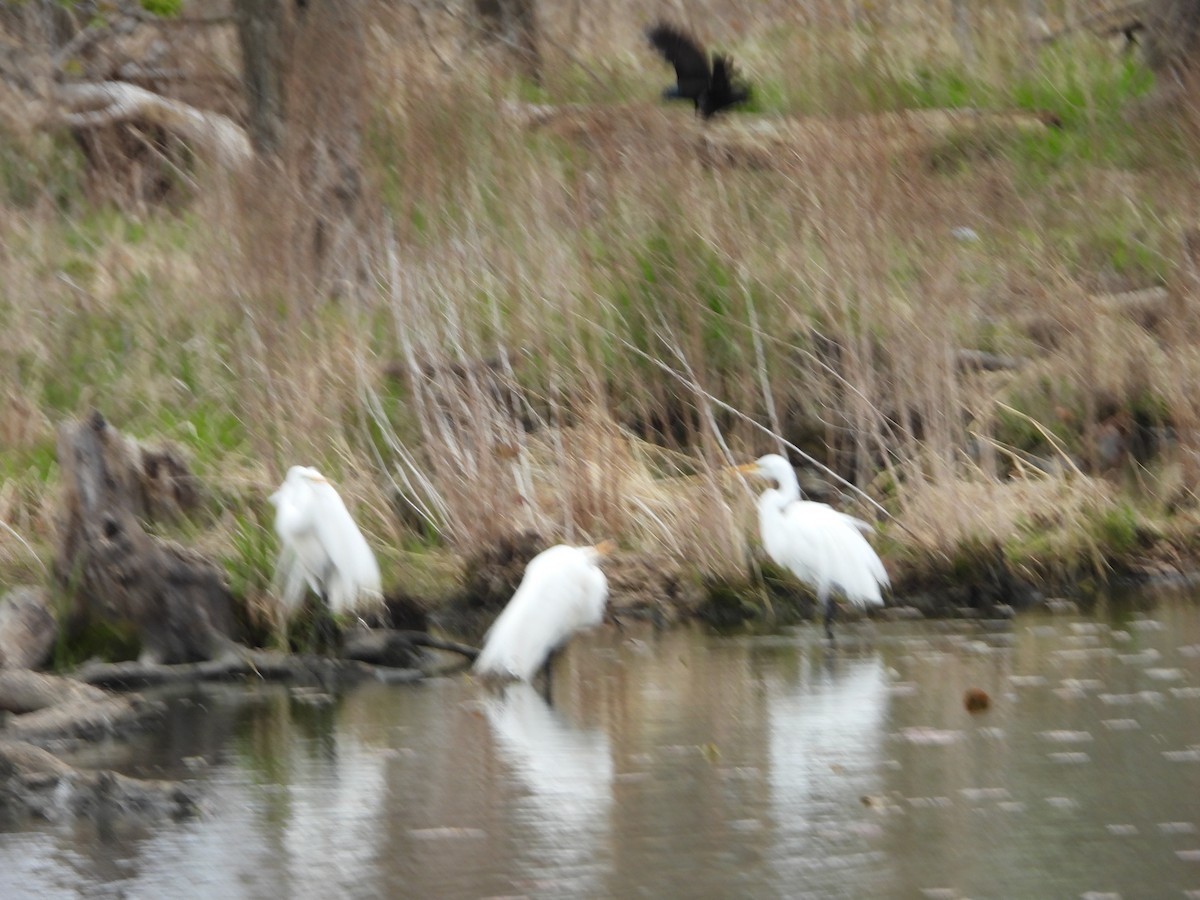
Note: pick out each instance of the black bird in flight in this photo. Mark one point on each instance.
(711, 88)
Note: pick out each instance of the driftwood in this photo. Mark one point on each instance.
(176, 599)
(27, 628)
(388, 647)
(215, 137)
(318, 671)
(36, 783)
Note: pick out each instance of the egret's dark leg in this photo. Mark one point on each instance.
(830, 615)
(548, 676)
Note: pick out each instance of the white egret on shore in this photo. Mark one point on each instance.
(822, 547)
(321, 546)
(562, 591)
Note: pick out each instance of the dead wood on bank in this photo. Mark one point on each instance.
(319, 671)
(176, 599)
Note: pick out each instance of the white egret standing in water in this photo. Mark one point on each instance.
(321, 546)
(822, 547)
(562, 591)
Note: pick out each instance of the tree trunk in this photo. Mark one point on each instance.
(515, 23)
(305, 80)
(176, 599)
(1172, 35)
(264, 33)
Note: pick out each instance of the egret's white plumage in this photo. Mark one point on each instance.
(563, 591)
(822, 547)
(321, 545)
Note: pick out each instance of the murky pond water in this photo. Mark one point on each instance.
(687, 764)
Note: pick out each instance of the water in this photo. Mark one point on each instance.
(686, 764)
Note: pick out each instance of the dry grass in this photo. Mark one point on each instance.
(530, 315)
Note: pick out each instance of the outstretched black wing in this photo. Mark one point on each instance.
(724, 90)
(689, 58)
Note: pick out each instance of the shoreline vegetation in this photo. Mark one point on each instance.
(953, 275)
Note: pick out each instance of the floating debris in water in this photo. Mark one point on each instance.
(1188, 855)
(1191, 651)
(1087, 627)
(976, 700)
(1066, 737)
(1122, 830)
(976, 795)
(1027, 680)
(1177, 827)
(1192, 754)
(1121, 724)
(1070, 758)
(1153, 698)
(1186, 693)
(1165, 674)
(1063, 802)
(927, 736)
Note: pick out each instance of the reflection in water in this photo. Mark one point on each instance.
(568, 772)
(685, 764)
(826, 745)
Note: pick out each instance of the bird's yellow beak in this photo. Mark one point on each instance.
(605, 548)
(318, 478)
(744, 469)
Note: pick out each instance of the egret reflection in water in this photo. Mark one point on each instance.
(567, 769)
(568, 772)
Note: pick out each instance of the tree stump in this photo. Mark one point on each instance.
(176, 599)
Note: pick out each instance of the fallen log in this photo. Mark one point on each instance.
(318, 671)
(392, 647)
(36, 783)
(214, 136)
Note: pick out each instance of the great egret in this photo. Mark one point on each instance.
(562, 591)
(822, 547)
(321, 545)
(710, 87)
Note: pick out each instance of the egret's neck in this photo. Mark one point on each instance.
(772, 502)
